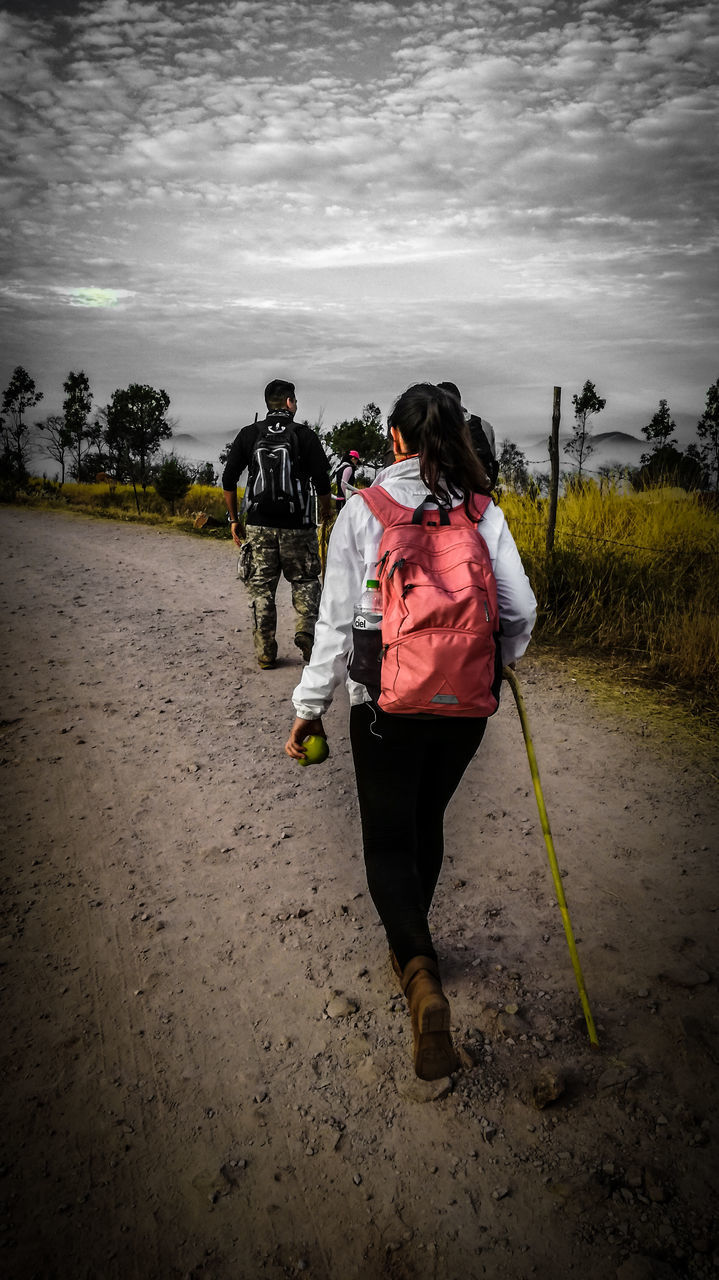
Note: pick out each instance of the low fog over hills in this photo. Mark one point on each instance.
(610, 448)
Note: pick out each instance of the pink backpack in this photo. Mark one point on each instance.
(440, 625)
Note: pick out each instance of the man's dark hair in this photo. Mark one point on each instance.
(452, 388)
(278, 392)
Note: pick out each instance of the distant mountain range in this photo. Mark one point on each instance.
(620, 448)
(206, 449)
(610, 448)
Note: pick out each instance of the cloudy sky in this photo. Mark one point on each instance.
(202, 195)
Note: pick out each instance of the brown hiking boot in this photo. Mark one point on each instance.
(434, 1055)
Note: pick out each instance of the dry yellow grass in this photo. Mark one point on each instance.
(630, 573)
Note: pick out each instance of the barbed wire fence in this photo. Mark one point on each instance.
(619, 542)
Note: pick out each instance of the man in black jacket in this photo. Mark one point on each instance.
(286, 466)
(482, 434)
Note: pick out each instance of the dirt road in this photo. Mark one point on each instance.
(206, 1056)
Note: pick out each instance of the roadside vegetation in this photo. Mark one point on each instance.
(631, 576)
(120, 502)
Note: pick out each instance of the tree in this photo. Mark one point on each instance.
(136, 426)
(97, 458)
(57, 440)
(114, 448)
(173, 477)
(513, 466)
(204, 473)
(364, 434)
(586, 404)
(659, 432)
(610, 474)
(76, 407)
(668, 465)
(20, 395)
(705, 470)
(708, 432)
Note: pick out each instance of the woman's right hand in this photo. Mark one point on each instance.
(300, 730)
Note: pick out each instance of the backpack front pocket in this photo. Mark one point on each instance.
(439, 672)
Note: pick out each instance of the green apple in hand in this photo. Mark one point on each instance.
(315, 749)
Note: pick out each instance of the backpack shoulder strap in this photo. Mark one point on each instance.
(382, 505)
(477, 508)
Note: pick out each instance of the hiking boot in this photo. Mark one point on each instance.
(265, 651)
(434, 1055)
(304, 642)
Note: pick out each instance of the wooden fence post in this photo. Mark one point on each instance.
(554, 460)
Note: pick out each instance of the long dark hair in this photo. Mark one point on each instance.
(432, 425)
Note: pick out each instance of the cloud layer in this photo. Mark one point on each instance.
(362, 188)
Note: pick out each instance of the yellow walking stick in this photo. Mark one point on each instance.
(513, 683)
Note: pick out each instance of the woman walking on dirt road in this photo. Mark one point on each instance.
(408, 766)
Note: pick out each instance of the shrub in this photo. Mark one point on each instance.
(172, 478)
(204, 497)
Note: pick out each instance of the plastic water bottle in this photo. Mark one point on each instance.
(366, 657)
(368, 613)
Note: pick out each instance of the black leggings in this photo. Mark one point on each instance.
(407, 771)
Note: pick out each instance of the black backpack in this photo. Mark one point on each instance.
(339, 472)
(274, 486)
(482, 449)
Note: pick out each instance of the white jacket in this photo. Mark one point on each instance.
(352, 559)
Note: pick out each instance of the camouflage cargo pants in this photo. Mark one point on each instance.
(292, 552)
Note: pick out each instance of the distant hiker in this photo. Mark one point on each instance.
(344, 476)
(445, 612)
(285, 463)
(482, 434)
